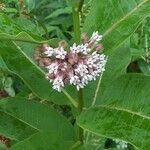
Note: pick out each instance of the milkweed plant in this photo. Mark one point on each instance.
(74, 74)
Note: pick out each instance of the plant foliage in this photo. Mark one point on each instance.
(116, 106)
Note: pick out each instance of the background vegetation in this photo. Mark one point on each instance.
(116, 107)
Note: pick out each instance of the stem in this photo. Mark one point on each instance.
(76, 25)
(80, 107)
(80, 5)
(77, 38)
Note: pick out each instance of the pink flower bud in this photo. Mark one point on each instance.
(46, 61)
(99, 47)
(73, 58)
(62, 44)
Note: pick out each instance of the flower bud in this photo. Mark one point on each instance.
(46, 61)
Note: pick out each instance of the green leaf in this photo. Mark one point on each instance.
(43, 140)
(25, 37)
(129, 91)
(20, 29)
(25, 53)
(57, 97)
(144, 67)
(94, 142)
(115, 66)
(13, 128)
(13, 27)
(115, 19)
(122, 112)
(58, 12)
(30, 73)
(2, 64)
(10, 10)
(38, 116)
(30, 4)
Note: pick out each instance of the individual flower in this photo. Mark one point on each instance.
(60, 53)
(77, 66)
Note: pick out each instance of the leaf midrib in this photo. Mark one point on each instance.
(6, 37)
(38, 68)
(109, 30)
(123, 18)
(123, 110)
(103, 135)
(19, 120)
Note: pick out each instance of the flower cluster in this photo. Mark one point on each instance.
(81, 64)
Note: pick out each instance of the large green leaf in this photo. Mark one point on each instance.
(43, 140)
(25, 37)
(28, 71)
(2, 64)
(115, 19)
(21, 29)
(58, 12)
(13, 129)
(37, 116)
(30, 4)
(19, 63)
(27, 43)
(122, 112)
(17, 25)
(129, 91)
(116, 66)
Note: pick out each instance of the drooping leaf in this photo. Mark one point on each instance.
(21, 29)
(25, 37)
(10, 26)
(37, 116)
(122, 112)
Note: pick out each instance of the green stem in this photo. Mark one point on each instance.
(80, 107)
(76, 25)
(77, 38)
(80, 5)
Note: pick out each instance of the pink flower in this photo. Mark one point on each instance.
(81, 64)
